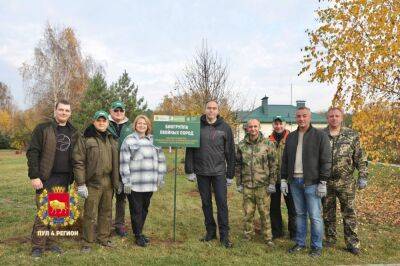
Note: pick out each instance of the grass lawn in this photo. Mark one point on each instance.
(379, 230)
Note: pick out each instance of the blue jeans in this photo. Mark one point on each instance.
(306, 202)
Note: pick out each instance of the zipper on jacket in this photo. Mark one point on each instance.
(251, 165)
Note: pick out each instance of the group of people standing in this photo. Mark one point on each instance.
(310, 167)
(115, 157)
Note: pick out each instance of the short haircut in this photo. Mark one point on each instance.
(333, 109)
(211, 101)
(254, 119)
(148, 122)
(62, 101)
(303, 108)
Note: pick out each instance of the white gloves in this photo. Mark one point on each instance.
(271, 189)
(127, 189)
(191, 177)
(83, 191)
(284, 187)
(321, 189)
(229, 181)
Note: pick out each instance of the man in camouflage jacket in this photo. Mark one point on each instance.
(347, 156)
(255, 173)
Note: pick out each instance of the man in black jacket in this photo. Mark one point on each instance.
(213, 163)
(49, 165)
(306, 166)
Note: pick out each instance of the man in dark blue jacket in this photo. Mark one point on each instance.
(213, 163)
(306, 166)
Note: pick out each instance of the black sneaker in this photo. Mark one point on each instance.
(140, 241)
(86, 249)
(56, 249)
(296, 248)
(329, 243)
(121, 231)
(353, 250)
(208, 237)
(315, 252)
(226, 243)
(37, 253)
(146, 239)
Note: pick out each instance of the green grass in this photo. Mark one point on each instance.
(380, 243)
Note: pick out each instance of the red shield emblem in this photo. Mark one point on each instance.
(58, 204)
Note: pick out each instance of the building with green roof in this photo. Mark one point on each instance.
(266, 113)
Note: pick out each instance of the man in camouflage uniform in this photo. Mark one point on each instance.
(256, 177)
(347, 156)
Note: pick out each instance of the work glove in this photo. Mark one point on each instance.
(362, 183)
(284, 187)
(160, 182)
(321, 189)
(191, 177)
(127, 189)
(271, 189)
(120, 188)
(229, 181)
(83, 191)
(239, 188)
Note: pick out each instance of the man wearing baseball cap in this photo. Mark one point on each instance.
(278, 138)
(96, 170)
(120, 127)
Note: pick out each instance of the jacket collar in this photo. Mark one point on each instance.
(91, 132)
(259, 139)
(285, 134)
(136, 136)
(204, 121)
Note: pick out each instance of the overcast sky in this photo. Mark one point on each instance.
(153, 40)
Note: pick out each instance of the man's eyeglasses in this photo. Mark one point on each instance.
(119, 110)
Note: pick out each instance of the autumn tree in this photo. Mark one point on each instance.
(58, 70)
(356, 46)
(203, 79)
(6, 99)
(378, 124)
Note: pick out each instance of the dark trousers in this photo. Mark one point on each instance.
(139, 203)
(218, 184)
(119, 210)
(276, 214)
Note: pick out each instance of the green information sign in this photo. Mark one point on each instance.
(176, 131)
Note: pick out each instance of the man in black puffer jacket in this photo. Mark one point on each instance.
(213, 163)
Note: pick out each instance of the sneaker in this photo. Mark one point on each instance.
(107, 244)
(37, 253)
(269, 242)
(353, 250)
(226, 243)
(315, 252)
(140, 241)
(86, 249)
(56, 249)
(121, 231)
(208, 237)
(329, 243)
(296, 248)
(146, 239)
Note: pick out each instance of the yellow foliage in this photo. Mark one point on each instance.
(378, 125)
(5, 121)
(356, 46)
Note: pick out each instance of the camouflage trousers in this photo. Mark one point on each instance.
(256, 198)
(344, 190)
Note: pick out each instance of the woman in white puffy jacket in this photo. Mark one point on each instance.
(142, 169)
